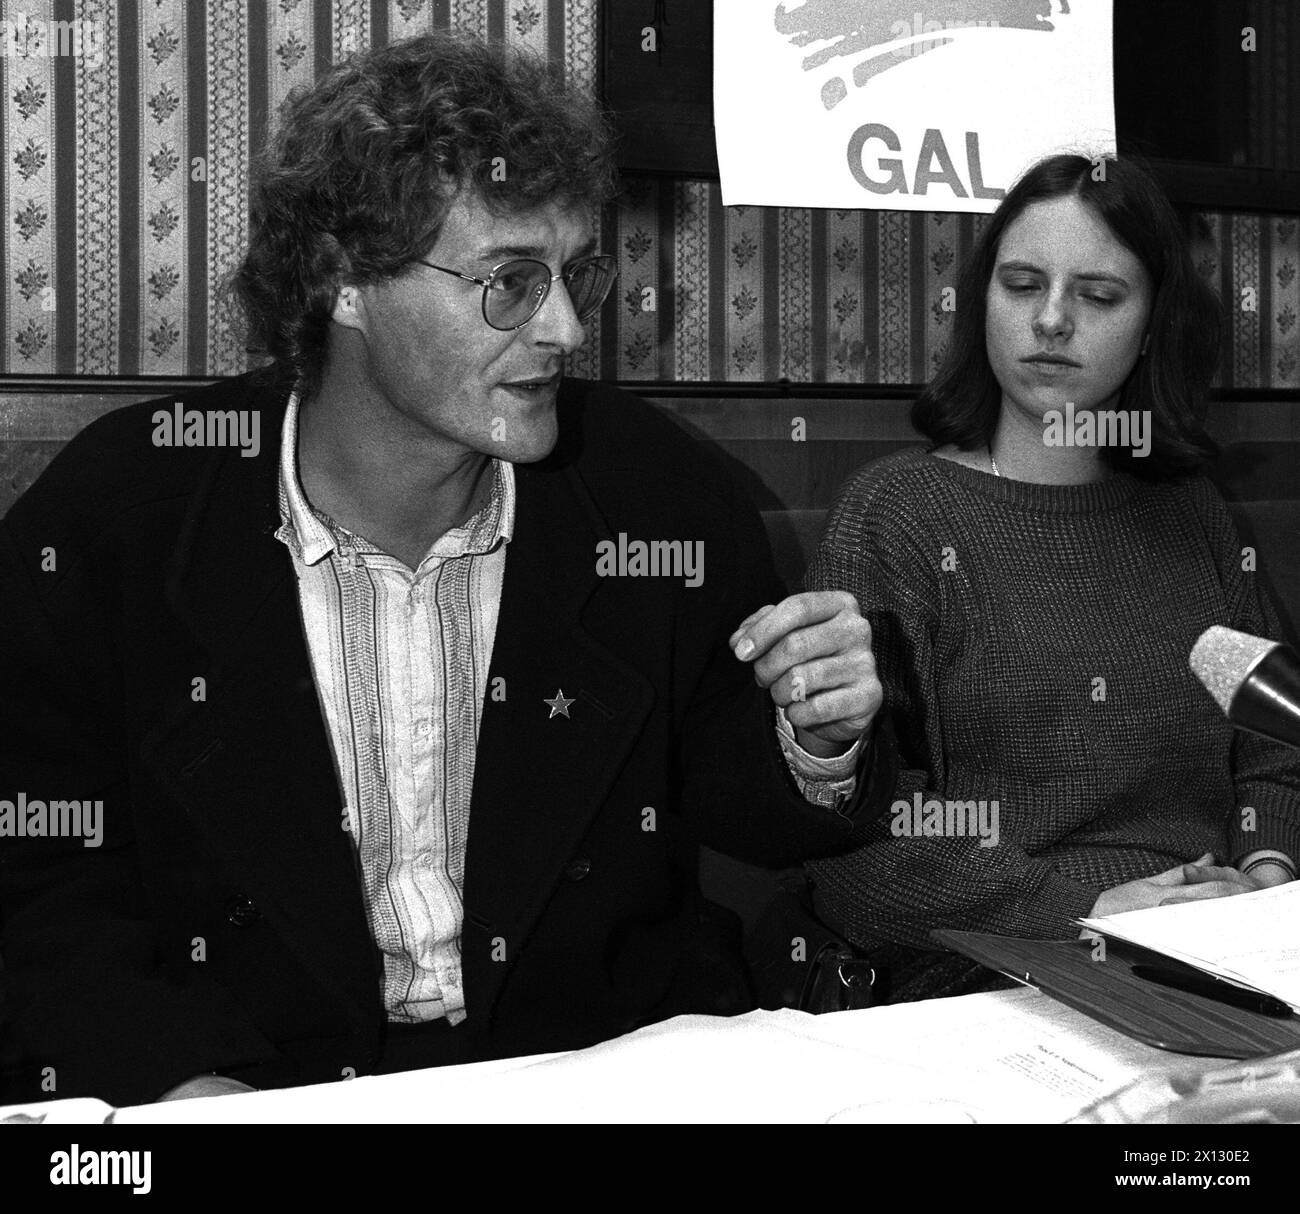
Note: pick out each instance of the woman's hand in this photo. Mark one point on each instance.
(1267, 874)
(1186, 883)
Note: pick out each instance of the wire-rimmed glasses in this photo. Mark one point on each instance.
(514, 291)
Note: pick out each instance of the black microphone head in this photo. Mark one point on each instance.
(1255, 681)
(1222, 658)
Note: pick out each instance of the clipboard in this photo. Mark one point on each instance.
(1108, 991)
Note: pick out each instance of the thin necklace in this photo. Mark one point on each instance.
(993, 461)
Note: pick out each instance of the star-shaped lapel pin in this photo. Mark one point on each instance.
(560, 705)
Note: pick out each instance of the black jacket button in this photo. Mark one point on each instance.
(242, 912)
(577, 870)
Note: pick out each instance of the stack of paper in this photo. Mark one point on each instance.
(1252, 940)
(1005, 1056)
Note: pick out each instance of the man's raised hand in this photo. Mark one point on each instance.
(812, 651)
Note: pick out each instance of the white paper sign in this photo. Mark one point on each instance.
(904, 105)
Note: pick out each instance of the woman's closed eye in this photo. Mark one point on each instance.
(1093, 297)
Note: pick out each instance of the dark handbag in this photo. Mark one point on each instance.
(840, 979)
(795, 960)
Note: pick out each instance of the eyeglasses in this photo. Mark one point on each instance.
(514, 291)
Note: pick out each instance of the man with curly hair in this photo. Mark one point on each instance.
(408, 725)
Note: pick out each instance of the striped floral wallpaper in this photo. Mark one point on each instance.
(757, 293)
(124, 183)
(125, 180)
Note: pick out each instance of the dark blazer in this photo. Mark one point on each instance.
(219, 926)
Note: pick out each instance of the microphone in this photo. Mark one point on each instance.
(1255, 681)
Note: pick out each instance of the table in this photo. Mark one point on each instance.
(1003, 1057)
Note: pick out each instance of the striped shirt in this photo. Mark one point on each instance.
(400, 660)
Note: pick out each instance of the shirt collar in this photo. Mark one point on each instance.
(312, 538)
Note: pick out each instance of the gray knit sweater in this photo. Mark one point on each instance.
(1032, 641)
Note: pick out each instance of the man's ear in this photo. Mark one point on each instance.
(349, 307)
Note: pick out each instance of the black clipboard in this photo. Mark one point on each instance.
(1108, 991)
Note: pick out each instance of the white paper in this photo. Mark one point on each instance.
(81, 1110)
(1010, 1057)
(809, 96)
(1251, 939)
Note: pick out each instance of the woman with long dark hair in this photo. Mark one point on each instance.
(1035, 581)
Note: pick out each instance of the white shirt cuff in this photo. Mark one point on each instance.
(828, 782)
